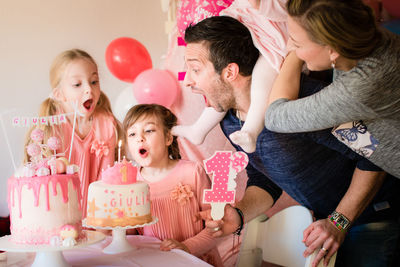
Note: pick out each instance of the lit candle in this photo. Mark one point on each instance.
(119, 150)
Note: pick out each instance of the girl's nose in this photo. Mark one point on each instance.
(140, 138)
(88, 88)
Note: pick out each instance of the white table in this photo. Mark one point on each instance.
(146, 253)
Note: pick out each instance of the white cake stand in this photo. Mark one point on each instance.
(119, 243)
(48, 255)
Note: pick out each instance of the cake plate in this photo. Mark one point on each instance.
(119, 243)
(48, 255)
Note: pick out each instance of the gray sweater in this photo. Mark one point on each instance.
(367, 98)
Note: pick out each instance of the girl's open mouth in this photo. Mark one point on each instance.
(88, 104)
(143, 152)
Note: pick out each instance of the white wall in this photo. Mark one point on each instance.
(33, 32)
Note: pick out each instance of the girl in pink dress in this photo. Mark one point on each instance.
(176, 185)
(75, 82)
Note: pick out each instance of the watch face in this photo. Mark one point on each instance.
(342, 221)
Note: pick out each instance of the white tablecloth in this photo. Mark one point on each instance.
(147, 253)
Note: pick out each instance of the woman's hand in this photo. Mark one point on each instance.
(322, 234)
(169, 244)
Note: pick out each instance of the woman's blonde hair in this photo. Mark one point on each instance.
(348, 26)
(166, 117)
(51, 106)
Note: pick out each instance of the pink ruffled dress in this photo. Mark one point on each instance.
(267, 25)
(93, 153)
(175, 200)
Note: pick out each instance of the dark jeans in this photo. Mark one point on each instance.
(370, 245)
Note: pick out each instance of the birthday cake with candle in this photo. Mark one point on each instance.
(44, 197)
(118, 199)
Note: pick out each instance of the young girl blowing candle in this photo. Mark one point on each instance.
(76, 89)
(176, 185)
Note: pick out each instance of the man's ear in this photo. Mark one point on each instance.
(230, 72)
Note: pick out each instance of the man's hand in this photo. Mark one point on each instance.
(322, 234)
(227, 225)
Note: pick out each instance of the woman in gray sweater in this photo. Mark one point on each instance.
(363, 101)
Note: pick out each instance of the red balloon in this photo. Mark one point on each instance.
(126, 58)
(155, 87)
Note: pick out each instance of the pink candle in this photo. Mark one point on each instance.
(223, 166)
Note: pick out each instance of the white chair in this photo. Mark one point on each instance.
(278, 240)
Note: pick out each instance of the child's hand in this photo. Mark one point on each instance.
(169, 244)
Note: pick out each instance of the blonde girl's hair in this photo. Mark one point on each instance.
(51, 106)
(348, 26)
(166, 117)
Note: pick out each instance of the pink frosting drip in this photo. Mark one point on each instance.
(16, 184)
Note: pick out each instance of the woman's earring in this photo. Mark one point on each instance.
(333, 64)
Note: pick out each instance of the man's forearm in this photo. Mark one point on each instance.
(364, 185)
(254, 202)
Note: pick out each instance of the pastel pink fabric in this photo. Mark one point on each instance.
(267, 26)
(193, 11)
(89, 160)
(175, 200)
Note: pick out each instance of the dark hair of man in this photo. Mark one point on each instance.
(228, 40)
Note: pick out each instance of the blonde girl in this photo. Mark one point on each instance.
(75, 84)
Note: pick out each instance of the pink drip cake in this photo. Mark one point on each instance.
(44, 200)
(118, 199)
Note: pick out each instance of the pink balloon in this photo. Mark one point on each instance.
(155, 87)
(193, 11)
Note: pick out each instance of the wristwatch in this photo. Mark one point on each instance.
(339, 220)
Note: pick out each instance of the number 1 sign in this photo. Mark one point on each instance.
(223, 166)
